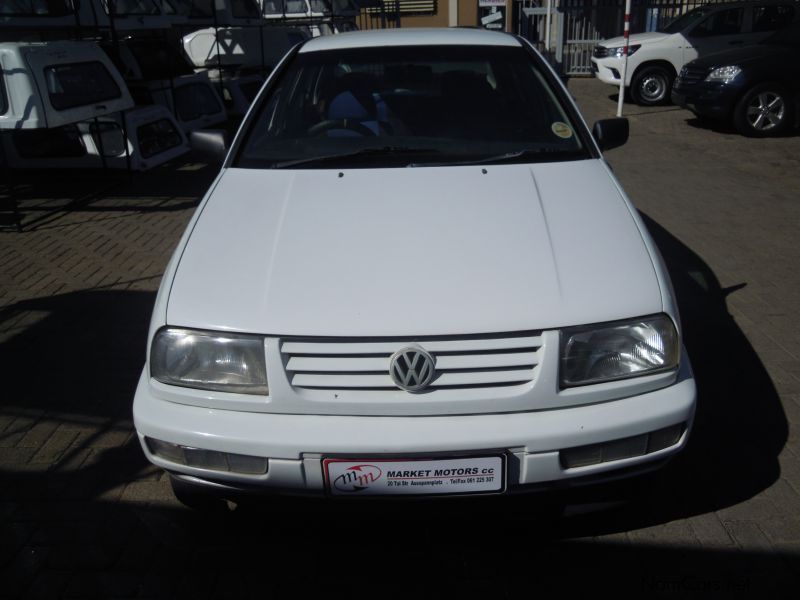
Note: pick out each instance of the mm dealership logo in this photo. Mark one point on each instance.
(357, 478)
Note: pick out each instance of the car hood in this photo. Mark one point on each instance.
(636, 38)
(746, 55)
(412, 252)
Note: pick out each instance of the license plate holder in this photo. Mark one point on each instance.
(425, 476)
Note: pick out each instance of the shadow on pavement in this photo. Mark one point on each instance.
(63, 526)
(717, 126)
(78, 354)
(43, 198)
(740, 427)
(301, 549)
(630, 105)
(726, 126)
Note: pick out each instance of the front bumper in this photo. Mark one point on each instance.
(711, 100)
(296, 444)
(608, 69)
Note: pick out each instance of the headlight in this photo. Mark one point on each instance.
(618, 51)
(209, 361)
(618, 350)
(724, 74)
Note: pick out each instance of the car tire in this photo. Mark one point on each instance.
(652, 85)
(765, 110)
(196, 498)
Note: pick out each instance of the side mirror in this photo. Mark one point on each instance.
(610, 133)
(211, 144)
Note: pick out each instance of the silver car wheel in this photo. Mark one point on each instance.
(653, 88)
(766, 111)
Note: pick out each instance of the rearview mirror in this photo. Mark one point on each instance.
(211, 144)
(610, 133)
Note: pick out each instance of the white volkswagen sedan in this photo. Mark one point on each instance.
(415, 274)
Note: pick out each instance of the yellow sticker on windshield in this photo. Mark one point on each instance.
(561, 129)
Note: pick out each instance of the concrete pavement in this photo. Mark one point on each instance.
(83, 515)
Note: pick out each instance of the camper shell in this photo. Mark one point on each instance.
(321, 17)
(193, 99)
(84, 14)
(50, 84)
(242, 47)
(202, 13)
(239, 89)
(297, 9)
(156, 72)
(151, 134)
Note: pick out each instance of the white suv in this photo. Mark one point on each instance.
(655, 58)
(415, 274)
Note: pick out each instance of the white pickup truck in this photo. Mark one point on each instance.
(655, 58)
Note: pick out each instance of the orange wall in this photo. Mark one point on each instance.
(467, 15)
(440, 19)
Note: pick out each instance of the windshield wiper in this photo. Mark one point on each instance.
(385, 151)
(497, 158)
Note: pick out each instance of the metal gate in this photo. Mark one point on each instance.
(576, 26)
(379, 14)
(585, 24)
(530, 19)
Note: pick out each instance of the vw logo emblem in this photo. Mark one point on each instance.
(412, 369)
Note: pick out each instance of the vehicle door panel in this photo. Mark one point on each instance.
(721, 30)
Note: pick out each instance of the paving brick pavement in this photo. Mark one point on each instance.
(82, 514)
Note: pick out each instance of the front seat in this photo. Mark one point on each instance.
(356, 102)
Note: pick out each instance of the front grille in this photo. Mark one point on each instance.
(468, 361)
(690, 75)
(600, 52)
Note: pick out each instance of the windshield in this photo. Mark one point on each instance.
(157, 137)
(79, 84)
(686, 20)
(401, 106)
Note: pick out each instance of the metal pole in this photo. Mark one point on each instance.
(9, 181)
(626, 35)
(112, 12)
(94, 14)
(101, 146)
(547, 32)
(76, 11)
(263, 57)
(125, 141)
(219, 55)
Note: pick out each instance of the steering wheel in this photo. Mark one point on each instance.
(348, 124)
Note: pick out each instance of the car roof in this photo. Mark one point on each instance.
(455, 36)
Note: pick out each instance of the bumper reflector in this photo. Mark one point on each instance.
(639, 445)
(208, 459)
(664, 438)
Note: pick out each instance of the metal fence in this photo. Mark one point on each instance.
(379, 14)
(576, 26)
